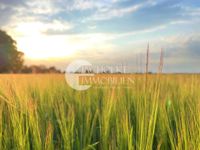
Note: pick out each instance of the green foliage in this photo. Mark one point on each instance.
(11, 60)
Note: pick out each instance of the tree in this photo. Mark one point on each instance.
(11, 60)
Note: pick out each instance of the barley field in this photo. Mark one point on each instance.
(42, 112)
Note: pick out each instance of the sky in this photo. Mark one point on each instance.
(56, 32)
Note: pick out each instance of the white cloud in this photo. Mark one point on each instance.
(34, 27)
(43, 7)
(90, 4)
(83, 5)
(106, 13)
(114, 13)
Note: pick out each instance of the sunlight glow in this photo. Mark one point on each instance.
(33, 40)
(41, 46)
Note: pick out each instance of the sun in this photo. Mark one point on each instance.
(32, 40)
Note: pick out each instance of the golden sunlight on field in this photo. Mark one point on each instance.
(43, 112)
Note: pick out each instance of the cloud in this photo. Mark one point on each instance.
(185, 48)
(83, 5)
(31, 27)
(8, 9)
(112, 11)
(89, 4)
(181, 53)
(47, 7)
(6, 14)
(108, 14)
(12, 2)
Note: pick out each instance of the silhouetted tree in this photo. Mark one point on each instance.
(26, 69)
(11, 60)
(39, 69)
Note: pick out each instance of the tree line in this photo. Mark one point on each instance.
(12, 60)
